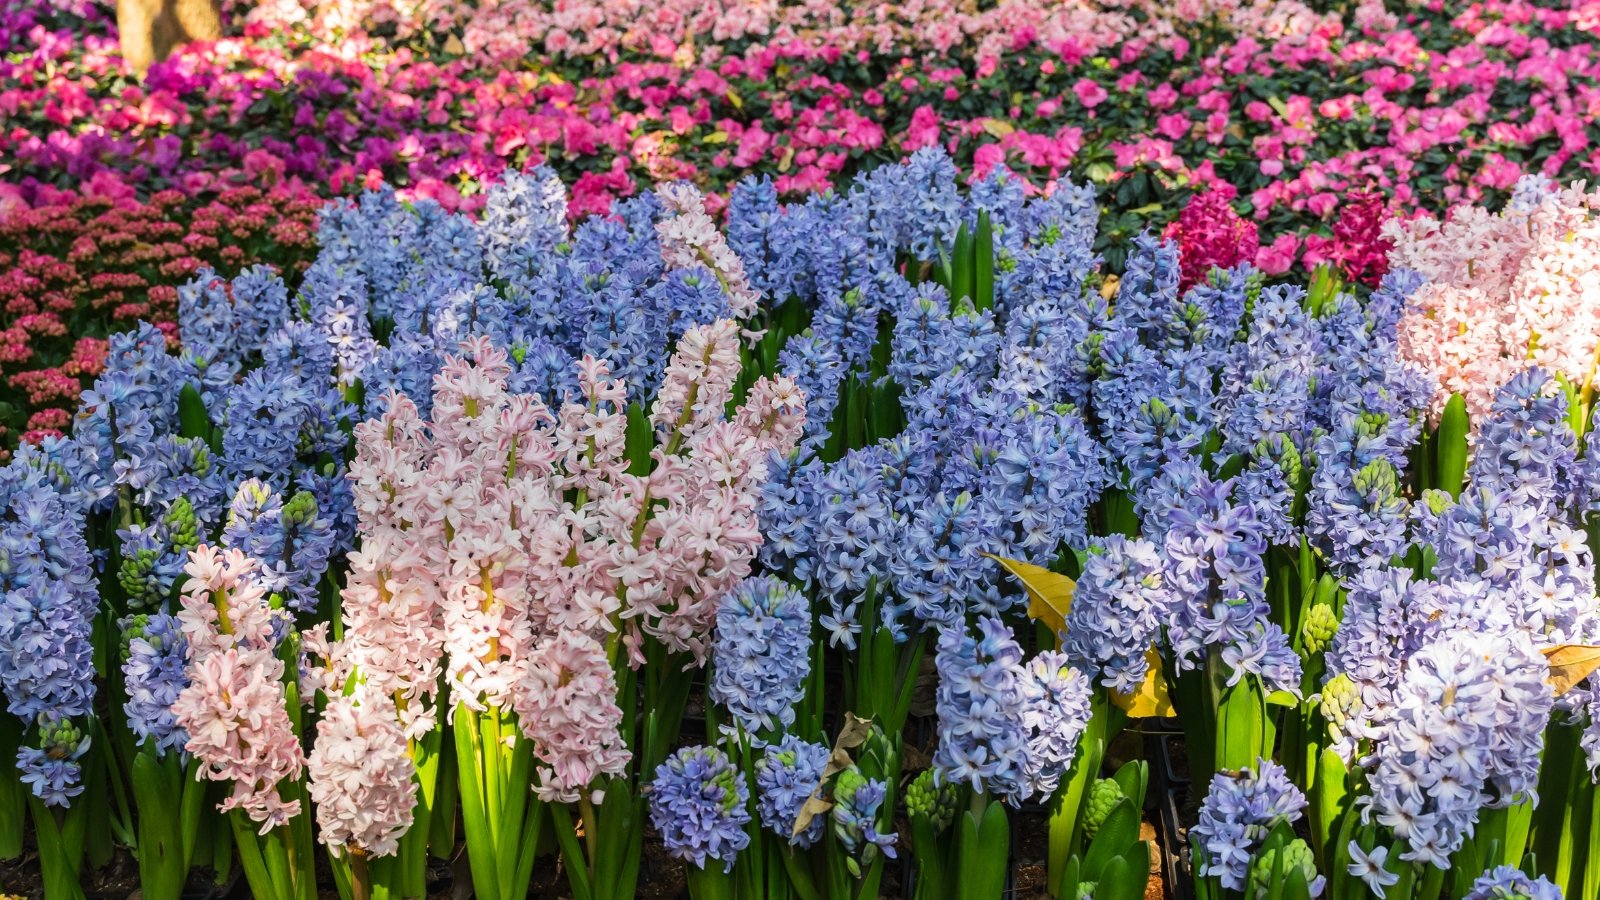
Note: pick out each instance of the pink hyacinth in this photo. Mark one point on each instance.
(689, 238)
(224, 604)
(1505, 290)
(392, 633)
(235, 706)
(507, 544)
(567, 704)
(361, 775)
(699, 380)
(1211, 235)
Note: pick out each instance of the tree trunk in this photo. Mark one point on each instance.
(151, 29)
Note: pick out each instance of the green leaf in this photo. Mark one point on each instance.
(193, 420)
(983, 263)
(984, 854)
(1119, 832)
(1134, 779)
(1451, 439)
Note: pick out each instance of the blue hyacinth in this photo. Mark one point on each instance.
(48, 601)
(982, 740)
(1511, 883)
(1467, 733)
(153, 676)
(788, 773)
(698, 804)
(1121, 602)
(762, 654)
(1239, 811)
(860, 821)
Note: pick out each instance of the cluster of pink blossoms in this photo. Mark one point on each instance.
(1505, 290)
(509, 545)
(689, 238)
(235, 707)
(362, 774)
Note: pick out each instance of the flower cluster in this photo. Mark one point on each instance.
(1239, 811)
(697, 803)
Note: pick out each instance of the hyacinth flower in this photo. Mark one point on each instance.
(1502, 290)
(48, 604)
(165, 778)
(241, 711)
(568, 585)
(1244, 814)
(1009, 729)
(698, 802)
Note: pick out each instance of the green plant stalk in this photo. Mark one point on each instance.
(1591, 857)
(1450, 447)
(710, 883)
(442, 814)
(168, 817)
(1330, 801)
(797, 866)
(13, 794)
(494, 768)
(928, 852)
(1561, 821)
(1243, 728)
(983, 263)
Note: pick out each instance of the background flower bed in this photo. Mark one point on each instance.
(1288, 108)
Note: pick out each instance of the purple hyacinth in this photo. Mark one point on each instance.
(698, 803)
(1239, 811)
(762, 654)
(788, 773)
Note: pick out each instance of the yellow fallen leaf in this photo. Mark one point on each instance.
(453, 46)
(1108, 288)
(1150, 701)
(1570, 664)
(715, 137)
(785, 159)
(1049, 593)
(998, 127)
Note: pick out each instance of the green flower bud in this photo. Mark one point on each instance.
(1285, 859)
(136, 575)
(182, 528)
(301, 509)
(1103, 798)
(925, 798)
(846, 784)
(1439, 502)
(1377, 480)
(61, 737)
(1318, 629)
(1339, 700)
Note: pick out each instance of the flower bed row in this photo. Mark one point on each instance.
(668, 522)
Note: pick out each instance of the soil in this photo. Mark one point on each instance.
(116, 880)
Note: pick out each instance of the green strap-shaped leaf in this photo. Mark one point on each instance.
(1450, 461)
